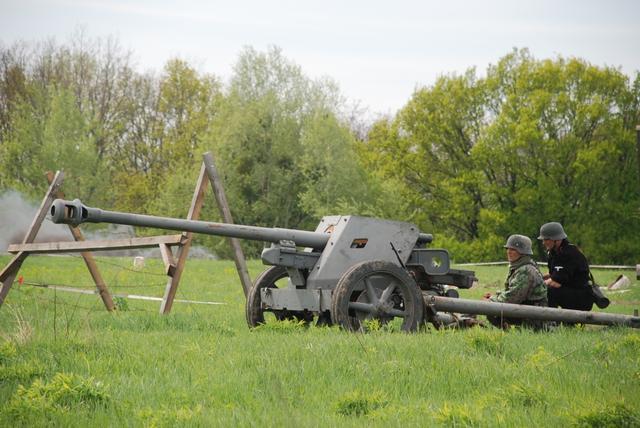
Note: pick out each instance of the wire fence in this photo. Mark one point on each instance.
(90, 289)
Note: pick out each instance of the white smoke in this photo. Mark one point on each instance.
(17, 214)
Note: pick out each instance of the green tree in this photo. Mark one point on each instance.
(333, 180)
(186, 106)
(427, 149)
(285, 156)
(13, 83)
(85, 82)
(54, 137)
(533, 141)
(174, 115)
(561, 148)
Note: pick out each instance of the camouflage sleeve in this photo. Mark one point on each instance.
(519, 287)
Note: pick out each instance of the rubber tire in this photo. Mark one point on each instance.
(349, 283)
(253, 309)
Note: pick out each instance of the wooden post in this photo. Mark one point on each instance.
(89, 261)
(225, 212)
(168, 260)
(183, 251)
(8, 274)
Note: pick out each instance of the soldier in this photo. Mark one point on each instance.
(568, 277)
(524, 284)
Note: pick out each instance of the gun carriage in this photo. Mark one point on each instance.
(350, 269)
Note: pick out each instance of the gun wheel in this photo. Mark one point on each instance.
(273, 277)
(376, 291)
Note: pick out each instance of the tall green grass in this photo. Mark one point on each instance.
(65, 361)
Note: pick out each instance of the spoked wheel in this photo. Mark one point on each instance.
(376, 290)
(273, 277)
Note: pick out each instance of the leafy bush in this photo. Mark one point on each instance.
(7, 351)
(454, 415)
(539, 359)
(616, 416)
(526, 395)
(487, 341)
(21, 372)
(631, 341)
(121, 304)
(62, 393)
(359, 404)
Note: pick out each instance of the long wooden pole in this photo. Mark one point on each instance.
(183, 250)
(225, 212)
(8, 274)
(89, 261)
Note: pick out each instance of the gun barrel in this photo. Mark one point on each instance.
(509, 310)
(75, 212)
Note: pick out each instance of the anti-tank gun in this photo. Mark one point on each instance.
(349, 270)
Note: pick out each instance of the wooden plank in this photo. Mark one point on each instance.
(13, 265)
(44, 207)
(183, 250)
(100, 245)
(101, 285)
(11, 270)
(225, 212)
(89, 261)
(8, 274)
(168, 260)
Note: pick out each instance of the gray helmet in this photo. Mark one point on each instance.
(520, 243)
(552, 231)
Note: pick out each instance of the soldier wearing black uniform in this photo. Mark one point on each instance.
(568, 276)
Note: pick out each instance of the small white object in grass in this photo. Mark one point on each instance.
(620, 283)
(138, 262)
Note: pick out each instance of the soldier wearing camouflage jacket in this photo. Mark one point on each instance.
(524, 284)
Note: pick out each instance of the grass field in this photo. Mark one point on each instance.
(65, 361)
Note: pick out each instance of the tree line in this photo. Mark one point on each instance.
(469, 158)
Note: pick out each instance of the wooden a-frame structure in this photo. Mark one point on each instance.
(174, 265)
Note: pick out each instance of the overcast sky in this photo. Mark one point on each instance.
(377, 51)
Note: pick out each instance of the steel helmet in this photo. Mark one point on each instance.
(520, 243)
(553, 230)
